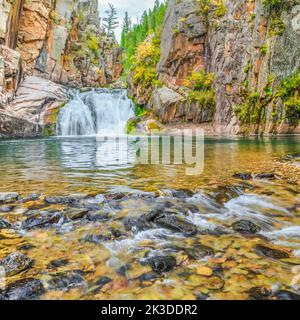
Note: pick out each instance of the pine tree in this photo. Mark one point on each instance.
(126, 27)
(110, 21)
(150, 22)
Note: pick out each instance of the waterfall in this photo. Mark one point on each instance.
(98, 112)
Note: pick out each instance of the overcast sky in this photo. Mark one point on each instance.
(135, 9)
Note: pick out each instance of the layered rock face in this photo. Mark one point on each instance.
(244, 46)
(61, 41)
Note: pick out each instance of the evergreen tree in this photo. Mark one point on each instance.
(110, 21)
(149, 22)
(126, 27)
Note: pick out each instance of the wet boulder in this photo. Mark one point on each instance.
(270, 252)
(31, 197)
(265, 176)
(245, 227)
(25, 289)
(15, 263)
(100, 283)
(74, 213)
(97, 216)
(287, 295)
(64, 199)
(182, 193)
(148, 276)
(6, 209)
(155, 212)
(67, 280)
(259, 293)
(25, 247)
(97, 239)
(160, 264)
(4, 224)
(199, 252)
(243, 176)
(57, 263)
(176, 223)
(138, 224)
(41, 220)
(115, 196)
(8, 197)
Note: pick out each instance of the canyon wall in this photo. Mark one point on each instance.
(57, 40)
(250, 49)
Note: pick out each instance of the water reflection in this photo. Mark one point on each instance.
(102, 162)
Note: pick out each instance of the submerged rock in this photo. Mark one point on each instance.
(270, 253)
(265, 176)
(115, 196)
(6, 209)
(97, 239)
(259, 293)
(199, 252)
(245, 227)
(74, 213)
(243, 176)
(97, 216)
(15, 263)
(160, 264)
(177, 224)
(26, 247)
(140, 224)
(66, 281)
(7, 197)
(41, 221)
(101, 283)
(57, 263)
(64, 200)
(148, 276)
(25, 289)
(287, 295)
(4, 224)
(31, 197)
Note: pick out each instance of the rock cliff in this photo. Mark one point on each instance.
(252, 50)
(59, 40)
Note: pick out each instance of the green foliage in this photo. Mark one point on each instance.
(289, 92)
(205, 6)
(277, 27)
(200, 81)
(263, 50)
(221, 9)
(132, 36)
(93, 44)
(248, 67)
(200, 85)
(273, 4)
(252, 110)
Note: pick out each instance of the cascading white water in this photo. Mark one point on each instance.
(98, 112)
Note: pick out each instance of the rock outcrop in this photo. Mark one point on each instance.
(249, 48)
(60, 41)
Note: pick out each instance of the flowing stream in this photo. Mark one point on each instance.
(80, 215)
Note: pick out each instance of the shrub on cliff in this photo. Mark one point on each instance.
(200, 85)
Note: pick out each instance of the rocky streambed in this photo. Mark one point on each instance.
(228, 243)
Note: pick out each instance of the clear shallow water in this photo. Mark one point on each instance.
(64, 166)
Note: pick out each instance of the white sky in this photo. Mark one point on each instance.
(135, 9)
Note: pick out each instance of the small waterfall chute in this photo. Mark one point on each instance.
(97, 112)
